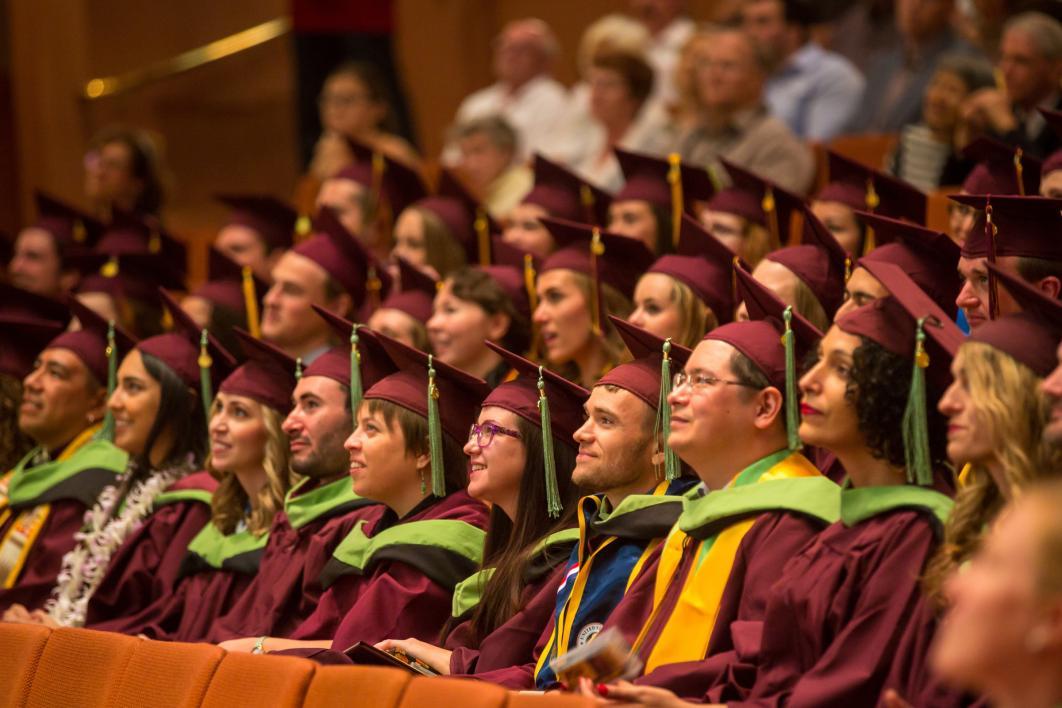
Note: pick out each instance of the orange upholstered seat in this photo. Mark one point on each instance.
(80, 667)
(249, 680)
(452, 693)
(21, 646)
(343, 686)
(168, 674)
(548, 700)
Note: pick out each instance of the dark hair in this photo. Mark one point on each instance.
(878, 390)
(510, 542)
(14, 444)
(974, 71)
(442, 246)
(145, 163)
(662, 217)
(475, 286)
(753, 380)
(1033, 270)
(179, 408)
(414, 429)
(375, 85)
(143, 317)
(222, 321)
(632, 68)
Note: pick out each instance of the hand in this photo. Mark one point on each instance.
(626, 692)
(894, 700)
(435, 657)
(989, 109)
(243, 645)
(330, 155)
(17, 613)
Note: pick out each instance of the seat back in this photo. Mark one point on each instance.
(168, 674)
(343, 686)
(21, 646)
(548, 700)
(452, 693)
(255, 681)
(80, 667)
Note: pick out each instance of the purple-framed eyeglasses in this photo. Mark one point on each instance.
(483, 434)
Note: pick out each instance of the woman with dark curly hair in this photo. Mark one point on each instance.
(841, 603)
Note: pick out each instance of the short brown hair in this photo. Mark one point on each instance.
(632, 68)
(475, 286)
(414, 429)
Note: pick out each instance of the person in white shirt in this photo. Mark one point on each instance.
(524, 93)
(669, 29)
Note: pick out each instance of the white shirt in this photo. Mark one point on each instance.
(535, 112)
(663, 55)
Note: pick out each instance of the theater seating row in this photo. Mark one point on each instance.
(78, 668)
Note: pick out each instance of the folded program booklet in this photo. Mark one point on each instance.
(606, 658)
(367, 654)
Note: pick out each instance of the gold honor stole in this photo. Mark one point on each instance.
(782, 481)
(20, 537)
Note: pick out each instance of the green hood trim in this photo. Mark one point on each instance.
(816, 497)
(215, 549)
(469, 592)
(97, 460)
(639, 516)
(446, 550)
(862, 503)
(326, 500)
(182, 495)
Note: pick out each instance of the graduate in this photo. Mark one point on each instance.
(996, 417)
(476, 304)
(41, 253)
(129, 549)
(394, 575)
(590, 276)
(638, 484)
(43, 499)
(730, 421)
(256, 233)
(403, 313)
(686, 294)
(249, 459)
(231, 297)
(928, 257)
(841, 603)
(558, 193)
(321, 508)
(503, 608)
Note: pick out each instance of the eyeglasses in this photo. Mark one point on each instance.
(483, 435)
(700, 381)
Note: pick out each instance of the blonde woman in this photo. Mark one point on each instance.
(996, 417)
(249, 459)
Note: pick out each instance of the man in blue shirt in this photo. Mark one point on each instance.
(815, 91)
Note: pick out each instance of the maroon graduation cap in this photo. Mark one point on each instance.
(133, 234)
(344, 258)
(758, 200)
(514, 271)
(928, 257)
(233, 287)
(24, 338)
(466, 219)
(705, 265)
(565, 195)
(1030, 336)
(1000, 169)
(448, 397)
(183, 348)
(864, 188)
(17, 302)
(273, 219)
(357, 373)
(819, 262)
(415, 294)
(267, 374)
(387, 180)
(642, 375)
(90, 342)
(602, 256)
(71, 227)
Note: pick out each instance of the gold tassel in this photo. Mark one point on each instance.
(482, 227)
(1018, 169)
(250, 302)
(674, 179)
(770, 209)
(79, 231)
(873, 201)
(597, 249)
(586, 198)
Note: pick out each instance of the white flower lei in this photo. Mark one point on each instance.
(101, 535)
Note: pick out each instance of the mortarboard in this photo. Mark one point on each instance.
(565, 195)
(233, 287)
(864, 188)
(344, 258)
(21, 303)
(757, 200)
(819, 262)
(387, 180)
(357, 364)
(267, 374)
(273, 219)
(24, 338)
(415, 294)
(92, 341)
(1000, 169)
(71, 227)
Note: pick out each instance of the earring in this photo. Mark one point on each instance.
(423, 484)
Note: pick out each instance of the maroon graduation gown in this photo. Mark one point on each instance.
(513, 642)
(773, 538)
(392, 599)
(147, 566)
(835, 616)
(286, 589)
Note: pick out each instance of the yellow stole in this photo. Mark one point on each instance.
(689, 627)
(22, 534)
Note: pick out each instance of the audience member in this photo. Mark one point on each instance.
(489, 147)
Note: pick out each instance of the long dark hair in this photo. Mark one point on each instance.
(181, 411)
(509, 542)
(145, 162)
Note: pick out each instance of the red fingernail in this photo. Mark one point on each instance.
(602, 689)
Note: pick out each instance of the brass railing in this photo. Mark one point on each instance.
(104, 86)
